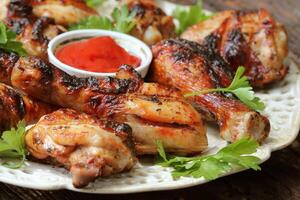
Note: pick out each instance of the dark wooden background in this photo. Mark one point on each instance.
(280, 176)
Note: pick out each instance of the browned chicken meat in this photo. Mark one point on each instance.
(63, 12)
(152, 24)
(251, 39)
(154, 112)
(15, 107)
(191, 67)
(33, 32)
(85, 145)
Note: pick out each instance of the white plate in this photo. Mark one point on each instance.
(283, 110)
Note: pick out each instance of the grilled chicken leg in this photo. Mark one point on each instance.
(152, 24)
(251, 39)
(64, 12)
(15, 107)
(190, 67)
(154, 112)
(87, 146)
(33, 32)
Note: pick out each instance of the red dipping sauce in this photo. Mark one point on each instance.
(98, 54)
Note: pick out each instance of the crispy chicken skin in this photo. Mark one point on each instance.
(85, 145)
(15, 107)
(251, 39)
(33, 32)
(64, 12)
(152, 24)
(191, 67)
(154, 112)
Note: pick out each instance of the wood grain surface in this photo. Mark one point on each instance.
(280, 175)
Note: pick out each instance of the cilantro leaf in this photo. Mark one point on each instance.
(123, 21)
(212, 166)
(190, 16)
(8, 41)
(93, 22)
(94, 3)
(12, 146)
(241, 88)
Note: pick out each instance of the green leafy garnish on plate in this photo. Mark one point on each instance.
(190, 16)
(94, 3)
(12, 147)
(122, 21)
(93, 22)
(241, 88)
(212, 166)
(8, 41)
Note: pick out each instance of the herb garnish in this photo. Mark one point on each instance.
(212, 166)
(123, 21)
(241, 88)
(12, 146)
(94, 3)
(8, 41)
(190, 16)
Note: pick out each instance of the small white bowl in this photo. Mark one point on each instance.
(129, 43)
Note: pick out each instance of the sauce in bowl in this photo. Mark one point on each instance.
(97, 54)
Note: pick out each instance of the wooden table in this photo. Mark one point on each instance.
(280, 176)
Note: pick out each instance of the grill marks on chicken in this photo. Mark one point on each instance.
(251, 39)
(152, 24)
(33, 32)
(15, 107)
(159, 110)
(64, 12)
(85, 145)
(191, 67)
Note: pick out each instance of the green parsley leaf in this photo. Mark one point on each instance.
(123, 21)
(212, 166)
(190, 16)
(8, 41)
(12, 146)
(94, 3)
(93, 22)
(241, 88)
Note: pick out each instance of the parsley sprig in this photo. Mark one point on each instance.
(94, 3)
(12, 146)
(8, 41)
(212, 166)
(241, 88)
(122, 21)
(190, 16)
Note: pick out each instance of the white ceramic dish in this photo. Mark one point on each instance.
(131, 44)
(282, 108)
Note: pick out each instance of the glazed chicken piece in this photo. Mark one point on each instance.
(152, 24)
(15, 107)
(191, 67)
(154, 112)
(64, 12)
(251, 39)
(34, 33)
(85, 145)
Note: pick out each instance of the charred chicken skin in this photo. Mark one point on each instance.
(64, 12)
(33, 32)
(85, 145)
(152, 24)
(154, 112)
(15, 107)
(251, 39)
(191, 67)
